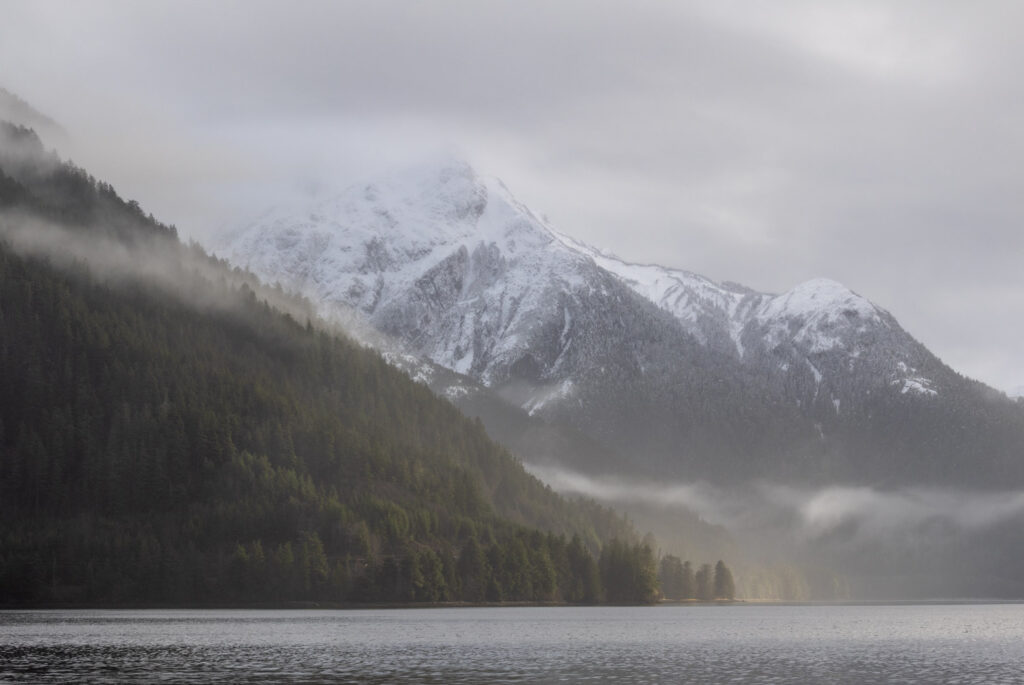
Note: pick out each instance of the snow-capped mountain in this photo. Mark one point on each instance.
(697, 376)
(451, 263)
(440, 258)
(817, 325)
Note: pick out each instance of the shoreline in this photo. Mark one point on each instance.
(356, 606)
(330, 606)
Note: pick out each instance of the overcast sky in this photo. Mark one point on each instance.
(879, 144)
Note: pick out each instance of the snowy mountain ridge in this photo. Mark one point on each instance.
(822, 305)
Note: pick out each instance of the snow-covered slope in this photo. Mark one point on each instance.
(454, 268)
(436, 256)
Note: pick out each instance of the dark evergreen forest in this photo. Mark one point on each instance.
(179, 440)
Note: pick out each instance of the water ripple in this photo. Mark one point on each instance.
(741, 644)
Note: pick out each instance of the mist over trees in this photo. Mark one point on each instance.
(152, 450)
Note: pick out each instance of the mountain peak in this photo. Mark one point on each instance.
(822, 284)
(435, 223)
(819, 297)
(443, 184)
(438, 167)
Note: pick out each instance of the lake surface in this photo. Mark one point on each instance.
(956, 643)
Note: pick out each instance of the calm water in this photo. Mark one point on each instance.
(670, 644)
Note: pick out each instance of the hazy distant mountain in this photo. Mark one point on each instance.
(683, 375)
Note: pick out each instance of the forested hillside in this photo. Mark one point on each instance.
(166, 435)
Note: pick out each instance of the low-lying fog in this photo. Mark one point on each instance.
(862, 512)
(908, 542)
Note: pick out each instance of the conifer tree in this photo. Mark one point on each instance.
(725, 588)
(688, 589)
(705, 583)
(671, 577)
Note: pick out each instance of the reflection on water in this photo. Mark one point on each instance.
(699, 644)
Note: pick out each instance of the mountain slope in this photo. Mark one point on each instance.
(168, 436)
(686, 376)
